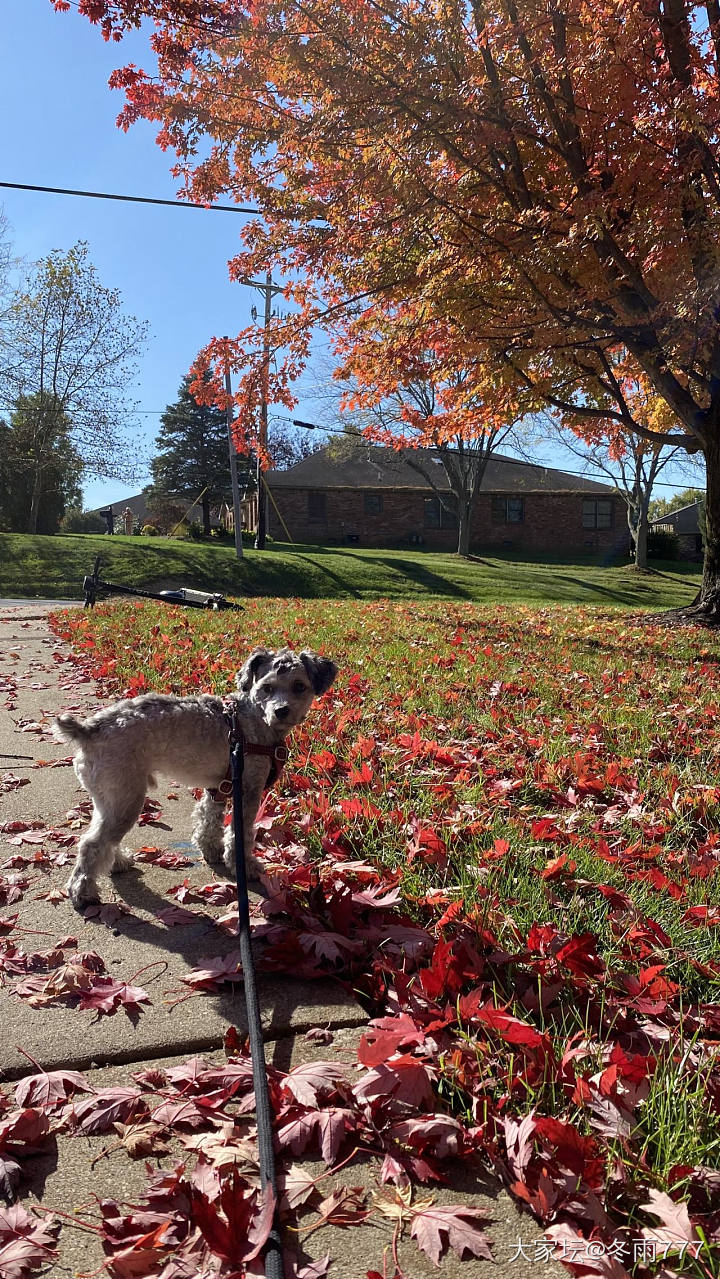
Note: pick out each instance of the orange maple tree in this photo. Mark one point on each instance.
(538, 182)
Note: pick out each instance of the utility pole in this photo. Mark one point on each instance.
(268, 289)
(263, 438)
(232, 453)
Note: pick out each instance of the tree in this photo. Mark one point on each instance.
(632, 462)
(192, 453)
(666, 505)
(40, 469)
(291, 444)
(633, 465)
(69, 349)
(427, 408)
(542, 181)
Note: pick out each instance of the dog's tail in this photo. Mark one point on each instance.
(66, 728)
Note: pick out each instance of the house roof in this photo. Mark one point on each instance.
(139, 507)
(137, 504)
(374, 468)
(686, 519)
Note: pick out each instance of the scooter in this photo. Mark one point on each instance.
(93, 583)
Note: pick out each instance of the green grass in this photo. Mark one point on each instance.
(54, 567)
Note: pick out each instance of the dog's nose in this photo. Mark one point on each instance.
(282, 712)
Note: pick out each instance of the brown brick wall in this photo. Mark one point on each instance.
(552, 522)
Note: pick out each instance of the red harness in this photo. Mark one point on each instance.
(278, 756)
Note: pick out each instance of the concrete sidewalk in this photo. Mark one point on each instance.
(137, 946)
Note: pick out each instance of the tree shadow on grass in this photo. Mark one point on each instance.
(432, 583)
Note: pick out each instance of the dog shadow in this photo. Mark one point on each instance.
(202, 939)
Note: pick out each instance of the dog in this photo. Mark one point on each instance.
(121, 749)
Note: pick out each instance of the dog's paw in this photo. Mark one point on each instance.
(122, 861)
(82, 891)
(254, 868)
(212, 854)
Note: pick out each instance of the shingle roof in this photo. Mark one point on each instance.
(387, 469)
(686, 519)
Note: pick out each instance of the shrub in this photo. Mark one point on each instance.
(149, 530)
(194, 530)
(663, 544)
(75, 520)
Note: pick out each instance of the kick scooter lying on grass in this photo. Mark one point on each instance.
(182, 595)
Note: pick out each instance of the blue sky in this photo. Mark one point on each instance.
(57, 128)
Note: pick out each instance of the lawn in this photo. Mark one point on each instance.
(500, 827)
(54, 567)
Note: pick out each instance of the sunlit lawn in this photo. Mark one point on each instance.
(54, 567)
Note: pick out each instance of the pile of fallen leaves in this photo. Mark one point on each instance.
(500, 829)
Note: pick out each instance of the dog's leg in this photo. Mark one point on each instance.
(122, 860)
(208, 820)
(113, 816)
(253, 866)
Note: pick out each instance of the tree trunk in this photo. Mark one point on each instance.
(641, 542)
(206, 514)
(464, 513)
(706, 605)
(35, 501)
(710, 589)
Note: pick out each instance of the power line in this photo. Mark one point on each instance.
(315, 426)
(130, 199)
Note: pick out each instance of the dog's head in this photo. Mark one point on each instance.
(283, 685)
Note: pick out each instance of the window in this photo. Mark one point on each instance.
(373, 503)
(597, 512)
(508, 510)
(316, 507)
(439, 514)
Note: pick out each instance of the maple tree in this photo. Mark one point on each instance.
(543, 185)
(426, 408)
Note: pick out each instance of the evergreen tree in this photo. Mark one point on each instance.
(192, 454)
(40, 469)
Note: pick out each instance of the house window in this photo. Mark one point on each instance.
(508, 510)
(316, 507)
(373, 504)
(440, 514)
(597, 512)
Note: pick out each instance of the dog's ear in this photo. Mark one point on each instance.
(321, 671)
(259, 659)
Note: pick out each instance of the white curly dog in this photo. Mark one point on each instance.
(121, 749)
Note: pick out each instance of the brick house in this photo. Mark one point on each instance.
(685, 524)
(374, 497)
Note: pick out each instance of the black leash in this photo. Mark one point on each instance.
(273, 1247)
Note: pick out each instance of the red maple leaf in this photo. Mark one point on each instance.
(26, 1243)
(50, 1088)
(401, 1078)
(441, 1226)
(107, 1106)
(106, 995)
(385, 1036)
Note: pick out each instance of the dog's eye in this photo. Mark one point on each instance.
(298, 688)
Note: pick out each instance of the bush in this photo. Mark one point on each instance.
(220, 534)
(75, 520)
(194, 530)
(663, 545)
(149, 530)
